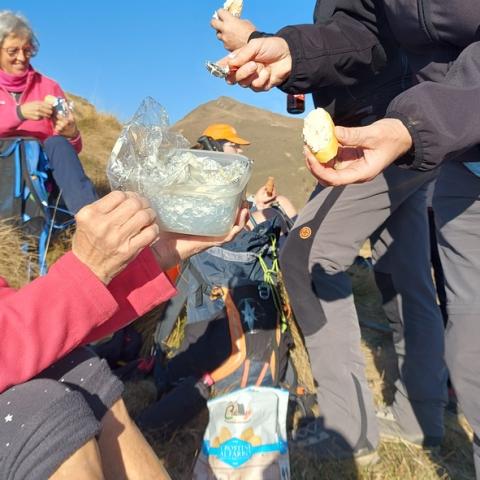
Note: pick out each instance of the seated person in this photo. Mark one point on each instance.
(264, 203)
(25, 113)
(61, 408)
(222, 137)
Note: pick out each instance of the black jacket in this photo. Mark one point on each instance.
(363, 38)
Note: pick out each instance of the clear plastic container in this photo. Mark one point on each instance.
(209, 208)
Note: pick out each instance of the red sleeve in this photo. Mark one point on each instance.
(51, 316)
(77, 143)
(139, 288)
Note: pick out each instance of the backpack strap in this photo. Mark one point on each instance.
(172, 310)
(176, 304)
(33, 180)
(203, 286)
(11, 173)
(227, 255)
(34, 188)
(237, 338)
(12, 144)
(287, 220)
(252, 219)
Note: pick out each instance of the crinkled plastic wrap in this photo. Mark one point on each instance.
(193, 191)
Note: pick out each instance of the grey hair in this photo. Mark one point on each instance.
(14, 23)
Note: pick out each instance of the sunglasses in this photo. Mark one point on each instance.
(13, 52)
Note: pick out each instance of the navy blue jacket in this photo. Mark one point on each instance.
(440, 39)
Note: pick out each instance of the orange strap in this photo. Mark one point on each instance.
(262, 375)
(273, 364)
(246, 369)
(239, 347)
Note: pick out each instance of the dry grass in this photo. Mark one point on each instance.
(18, 261)
(397, 461)
(99, 133)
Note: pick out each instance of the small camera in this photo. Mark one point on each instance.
(59, 104)
(61, 107)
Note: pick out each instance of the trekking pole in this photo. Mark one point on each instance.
(47, 243)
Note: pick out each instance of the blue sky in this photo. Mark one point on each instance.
(115, 53)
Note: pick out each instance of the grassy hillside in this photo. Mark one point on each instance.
(99, 132)
(397, 461)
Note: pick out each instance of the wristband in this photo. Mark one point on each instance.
(19, 113)
(257, 34)
(412, 158)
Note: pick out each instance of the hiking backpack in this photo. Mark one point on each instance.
(28, 194)
(233, 294)
(232, 290)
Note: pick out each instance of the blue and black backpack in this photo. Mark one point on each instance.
(28, 195)
(237, 311)
(235, 289)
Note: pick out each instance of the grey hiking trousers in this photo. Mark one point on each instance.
(322, 245)
(456, 203)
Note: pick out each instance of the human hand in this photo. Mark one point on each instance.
(112, 231)
(263, 199)
(232, 31)
(363, 152)
(260, 65)
(65, 125)
(36, 110)
(172, 248)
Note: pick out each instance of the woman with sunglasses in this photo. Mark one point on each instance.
(25, 113)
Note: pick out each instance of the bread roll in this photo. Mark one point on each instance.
(269, 186)
(234, 7)
(319, 135)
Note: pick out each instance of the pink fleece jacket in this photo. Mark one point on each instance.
(38, 86)
(68, 307)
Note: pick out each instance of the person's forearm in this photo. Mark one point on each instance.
(52, 315)
(47, 318)
(77, 142)
(442, 117)
(138, 289)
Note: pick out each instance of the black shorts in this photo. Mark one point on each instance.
(45, 420)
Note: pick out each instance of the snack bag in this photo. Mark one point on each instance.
(246, 437)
